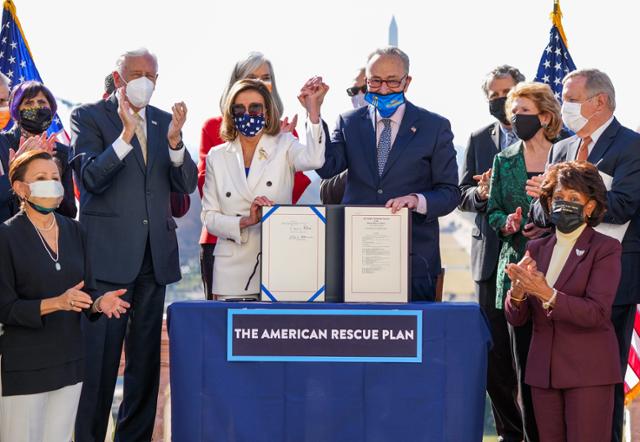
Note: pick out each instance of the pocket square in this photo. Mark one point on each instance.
(579, 252)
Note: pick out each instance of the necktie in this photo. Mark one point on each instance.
(510, 138)
(583, 151)
(142, 138)
(384, 145)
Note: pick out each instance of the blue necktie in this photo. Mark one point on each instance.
(384, 145)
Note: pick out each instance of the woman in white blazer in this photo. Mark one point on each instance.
(254, 168)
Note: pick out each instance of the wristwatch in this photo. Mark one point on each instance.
(179, 146)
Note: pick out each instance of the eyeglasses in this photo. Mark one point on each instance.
(377, 82)
(353, 91)
(255, 109)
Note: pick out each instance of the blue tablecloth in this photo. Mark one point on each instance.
(440, 399)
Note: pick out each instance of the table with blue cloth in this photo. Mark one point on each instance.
(440, 399)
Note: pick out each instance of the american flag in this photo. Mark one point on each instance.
(632, 376)
(556, 61)
(16, 60)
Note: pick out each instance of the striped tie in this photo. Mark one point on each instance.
(384, 145)
(142, 138)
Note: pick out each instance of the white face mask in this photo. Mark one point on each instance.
(46, 189)
(572, 116)
(358, 101)
(139, 91)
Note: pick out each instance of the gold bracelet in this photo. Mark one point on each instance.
(524, 298)
(549, 304)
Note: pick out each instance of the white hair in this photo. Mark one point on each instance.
(141, 52)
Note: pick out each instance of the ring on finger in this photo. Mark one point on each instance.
(71, 303)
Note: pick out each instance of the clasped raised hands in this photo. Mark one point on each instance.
(311, 97)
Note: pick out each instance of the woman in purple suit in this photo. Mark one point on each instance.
(567, 283)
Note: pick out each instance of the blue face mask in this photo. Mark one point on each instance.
(249, 125)
(386, 104)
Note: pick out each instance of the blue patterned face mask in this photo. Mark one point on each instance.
(386, 104)
(249, 125)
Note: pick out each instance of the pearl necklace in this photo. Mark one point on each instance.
(44, 244)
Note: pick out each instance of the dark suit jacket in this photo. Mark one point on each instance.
(482, 146)
(575, 345)
(9, 204)
(422, 160)
(125, 204)
(617, 153)
(332, 190)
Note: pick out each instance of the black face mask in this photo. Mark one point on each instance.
(567, 216)
(496, 108)
(525, 126)
(35, 120)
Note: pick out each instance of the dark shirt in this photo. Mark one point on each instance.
(39, 353)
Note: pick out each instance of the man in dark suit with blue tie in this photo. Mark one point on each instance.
(588, 106)
(129, 158)
(483, 145)
(398, 155)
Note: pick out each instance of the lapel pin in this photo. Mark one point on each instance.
(155, 123)
(413, 129)
(579, 252)
(262, 154)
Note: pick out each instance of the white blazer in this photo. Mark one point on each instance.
(228, 193)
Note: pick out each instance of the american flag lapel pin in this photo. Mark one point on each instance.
(154, 122)
(413, 129)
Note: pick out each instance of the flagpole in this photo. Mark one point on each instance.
(8, 4)
(556, 18)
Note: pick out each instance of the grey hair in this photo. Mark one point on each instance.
(243, 68)
(391, 50)
(141, 52)
(502, 71)
(597, 82)
(5, 80)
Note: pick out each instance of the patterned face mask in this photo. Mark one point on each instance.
(249, 125)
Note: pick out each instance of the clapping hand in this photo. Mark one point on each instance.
(311, 97)
(526, 277)
(512, 224)
(74, 299)
(483, 184)
(111, 303)
(42, 141)
(286, 126)
(534, 186)
(129, 122)
(178, 118)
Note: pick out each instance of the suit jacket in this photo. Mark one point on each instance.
(422, 160)
(210, 137)
(332, 190)
(617, 153)
(483, 145)
(574, 345)
(228, 193)
(508, 181)
(9, 204)
(125, 204)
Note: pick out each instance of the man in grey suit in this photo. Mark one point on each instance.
(483, 145)
(129, 158)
